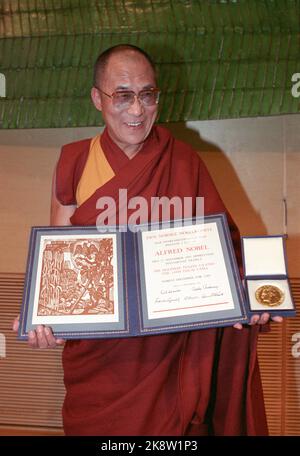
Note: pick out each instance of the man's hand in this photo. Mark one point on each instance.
(260, 320)
(42, 337)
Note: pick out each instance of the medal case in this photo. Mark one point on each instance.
(266, 278)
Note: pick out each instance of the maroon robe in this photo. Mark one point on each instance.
(189, 383)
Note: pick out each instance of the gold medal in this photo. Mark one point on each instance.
(269, 295)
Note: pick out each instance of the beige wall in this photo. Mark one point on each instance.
(255, 164)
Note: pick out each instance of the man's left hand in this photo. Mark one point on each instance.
(260, 320)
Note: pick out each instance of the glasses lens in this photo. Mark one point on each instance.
(123, 99)
(149, 97)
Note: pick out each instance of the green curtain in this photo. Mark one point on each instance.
(216, 59)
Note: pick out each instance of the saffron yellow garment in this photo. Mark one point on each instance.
(97, 172)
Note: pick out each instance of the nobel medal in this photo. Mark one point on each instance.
(269, 295)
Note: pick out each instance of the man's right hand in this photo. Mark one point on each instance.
(42, 337)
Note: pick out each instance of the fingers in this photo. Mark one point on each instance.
(60, 341)
(264, 318)
(278, 319)
(47, 339)
(16, 323)
(238, 326)
(254, 319)
(43, 337)
(32, 339)
(260, 319)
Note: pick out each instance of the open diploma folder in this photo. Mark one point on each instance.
(149, 279)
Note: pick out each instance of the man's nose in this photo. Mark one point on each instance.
(137, 107)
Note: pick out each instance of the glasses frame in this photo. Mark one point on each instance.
(136, 95)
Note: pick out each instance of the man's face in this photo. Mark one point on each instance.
(128, 128)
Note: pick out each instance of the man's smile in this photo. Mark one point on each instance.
(134, 124)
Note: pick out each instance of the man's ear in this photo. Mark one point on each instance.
(95, 95)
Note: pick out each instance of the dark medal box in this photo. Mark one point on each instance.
(266, 277)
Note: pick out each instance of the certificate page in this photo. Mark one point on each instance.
(185, 271)
(77, 280)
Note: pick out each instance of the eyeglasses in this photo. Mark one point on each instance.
(123, 99)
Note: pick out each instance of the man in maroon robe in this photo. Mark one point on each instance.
(189, 383)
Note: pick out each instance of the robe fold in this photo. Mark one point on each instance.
(203, 382)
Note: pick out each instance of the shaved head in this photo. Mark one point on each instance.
(104, 57)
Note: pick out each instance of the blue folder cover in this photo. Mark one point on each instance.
(128, 296)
